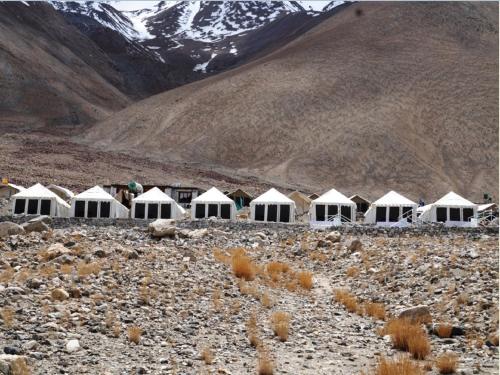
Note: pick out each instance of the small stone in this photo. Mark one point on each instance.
(12, 350)
(333, 237)
(72, 346)
(59, 294)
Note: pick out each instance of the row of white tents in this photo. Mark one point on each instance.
(330, 209)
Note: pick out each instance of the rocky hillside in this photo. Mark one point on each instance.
(380, 96)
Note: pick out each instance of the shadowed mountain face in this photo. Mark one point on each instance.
(380, 96)
(50, 73)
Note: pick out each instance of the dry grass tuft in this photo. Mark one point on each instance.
(352, 271)
(305, 279)
(243, 266)
(266, 300)
(19, 367)
(447, 363)
(207, 355)
(86, 269)
(134, 334)
(401, 365)
(221, 256)
(444, 330)
(116, 330)
(66, 269)
(7, 315)
(349, 301)
(265, 365)
(375, 310)
(280, 321)
(408, 336)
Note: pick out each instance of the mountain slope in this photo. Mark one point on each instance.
(381, 96)
(50, 73)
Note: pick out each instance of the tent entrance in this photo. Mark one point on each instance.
(381, 213)
(225, 211)
(200, 211)
(407, 214)
(441, 214)
(153, 211)
(467, 214)
(19, 206)
(140, 210)
(272, 213)
(320, 212)
(32, 206)
(166, 211)
(285, 213)
(345, 211)
(393, 214)
(212, 210)
(105, 209)
(260, 210)
(45, 206)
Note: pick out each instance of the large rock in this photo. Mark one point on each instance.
(35, 226)
(418, 313)
(43, 218)
(55, 251)
(162, 228)
(8, 228)
(333, 236)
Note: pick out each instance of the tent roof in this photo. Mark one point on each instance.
(393, 199)
(153, 195)
(483, 207)
(241, 192)
(68, 192)
(272, 196)
(453, 199)
(333, 196)
(39, 191)
(299, 195)
(95, 193)
(212, 195)
(424, 208)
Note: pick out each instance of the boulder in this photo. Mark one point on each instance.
(8, 228)
(162, 228)
(333, 237)
(54, 251)
(59, 294)
(355, 245)
(130, 254)
(417, 313)
(35, 226)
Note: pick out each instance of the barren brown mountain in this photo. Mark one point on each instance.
(50, 73)
(379, 96)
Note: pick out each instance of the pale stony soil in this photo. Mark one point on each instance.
(185, 300)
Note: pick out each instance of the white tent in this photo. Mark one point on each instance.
(38, 200)
(8, 190)
(272, 206)
(155, 204)
(452, 210)
(391, 210)
(333, 207)
(213, 203)
(96, 203)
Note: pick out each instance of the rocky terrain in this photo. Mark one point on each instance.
(238, 298)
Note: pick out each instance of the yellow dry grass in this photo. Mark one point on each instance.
(305, 279)
(400, 365)
(280, 322)
(134, 334)
(7, 315)
(408, 336)
(447, 363)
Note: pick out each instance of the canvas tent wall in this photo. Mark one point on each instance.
(334, 207)
(241, 198)
(96, 203)
(62, 192)
(38, 200)
(391, 210)
(213, 203)
(452, 210)
(8, 190)
(302, 202)
(272, 206)
(155, 204)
